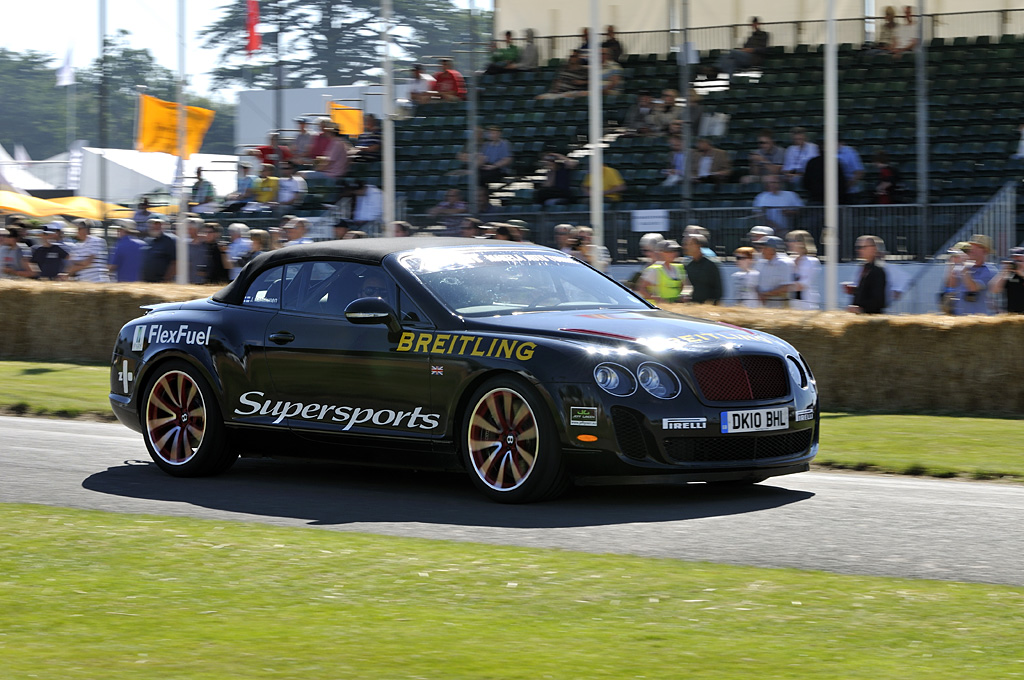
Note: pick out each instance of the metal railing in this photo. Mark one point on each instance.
(900, 226)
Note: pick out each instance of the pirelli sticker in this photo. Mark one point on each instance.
(458, 344)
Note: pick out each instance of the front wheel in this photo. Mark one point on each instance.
(182, 425)
(510, 443)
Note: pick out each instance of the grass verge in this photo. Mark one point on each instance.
(55, 389)
(90, 594)
(938, 446)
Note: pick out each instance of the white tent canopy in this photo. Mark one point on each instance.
(131, 173)
(18, 177)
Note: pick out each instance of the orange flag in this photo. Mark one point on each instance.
(158, 126)
(348, 119)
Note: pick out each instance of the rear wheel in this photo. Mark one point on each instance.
(182, 424)
(510, 443)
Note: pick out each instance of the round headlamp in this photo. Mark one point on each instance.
(615, 379)
(658, 380)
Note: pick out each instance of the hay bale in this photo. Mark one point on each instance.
(965, 365)
(927, 362)
(72, 321)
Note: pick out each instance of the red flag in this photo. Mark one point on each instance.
(251, 19)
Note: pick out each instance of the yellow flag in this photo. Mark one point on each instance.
(158, 126)
(348, 119)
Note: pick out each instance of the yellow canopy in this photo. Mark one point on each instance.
(11, 201)
(83, 206)
(127, 213)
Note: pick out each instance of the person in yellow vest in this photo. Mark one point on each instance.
(663, 280)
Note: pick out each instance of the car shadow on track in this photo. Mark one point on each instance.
(331, 495)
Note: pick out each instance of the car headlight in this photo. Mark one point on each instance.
(615, 379)
(796, 372)
(658, 380)
(807, 368)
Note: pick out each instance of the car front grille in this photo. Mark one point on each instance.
(750, 377)
(736, 449)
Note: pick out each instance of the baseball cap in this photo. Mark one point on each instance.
(667, 245)
(54, 227)
(156, 218)
(1017, 251)
(772, 242)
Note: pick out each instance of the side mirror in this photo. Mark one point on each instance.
(373, 311)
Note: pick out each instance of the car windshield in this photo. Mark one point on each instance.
(488, 282)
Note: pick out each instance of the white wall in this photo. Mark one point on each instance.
(256, 107)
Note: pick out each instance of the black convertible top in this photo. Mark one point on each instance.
(365, 250)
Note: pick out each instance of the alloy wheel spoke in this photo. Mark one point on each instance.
(528, 434)
(495, 411)
(482, 423)
(521, 414)
(527, 456)
(481, 445)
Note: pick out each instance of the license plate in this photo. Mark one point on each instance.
(755, 421)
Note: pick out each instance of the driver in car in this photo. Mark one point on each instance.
(374, 286)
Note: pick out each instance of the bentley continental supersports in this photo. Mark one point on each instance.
(515, 363)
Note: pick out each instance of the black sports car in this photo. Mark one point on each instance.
(514, 362)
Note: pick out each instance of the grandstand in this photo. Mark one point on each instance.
(976, 102)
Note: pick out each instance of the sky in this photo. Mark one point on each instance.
(74, 25)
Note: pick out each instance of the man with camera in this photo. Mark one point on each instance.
(1010, 280)
(970, 282)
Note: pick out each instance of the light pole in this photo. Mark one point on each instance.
(388, 130)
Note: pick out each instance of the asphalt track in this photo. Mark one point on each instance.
(837, 522)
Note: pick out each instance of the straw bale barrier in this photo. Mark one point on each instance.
(970, 365)
(72, 321)
(925, 362)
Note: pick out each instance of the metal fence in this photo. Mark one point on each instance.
(908, 231)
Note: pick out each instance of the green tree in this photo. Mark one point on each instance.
(332, 42)
(33, 112)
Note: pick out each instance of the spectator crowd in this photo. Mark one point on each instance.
(308, 172)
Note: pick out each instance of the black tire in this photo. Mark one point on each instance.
(182, 424)
(510, 444)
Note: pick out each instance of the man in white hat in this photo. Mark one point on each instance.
(755, 235)
(775, 273)
(972, 291)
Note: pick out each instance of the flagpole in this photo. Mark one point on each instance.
(388, 139)
(67, 110)
(182, 270)
(103, 107)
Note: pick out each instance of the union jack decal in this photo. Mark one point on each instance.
(437, 370)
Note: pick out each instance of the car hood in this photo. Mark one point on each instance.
(653, 330)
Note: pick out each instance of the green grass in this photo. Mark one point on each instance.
(96, 595)
(50, 388)
(941, 446)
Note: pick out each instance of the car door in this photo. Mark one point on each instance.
(249, 393)
(334, 378)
